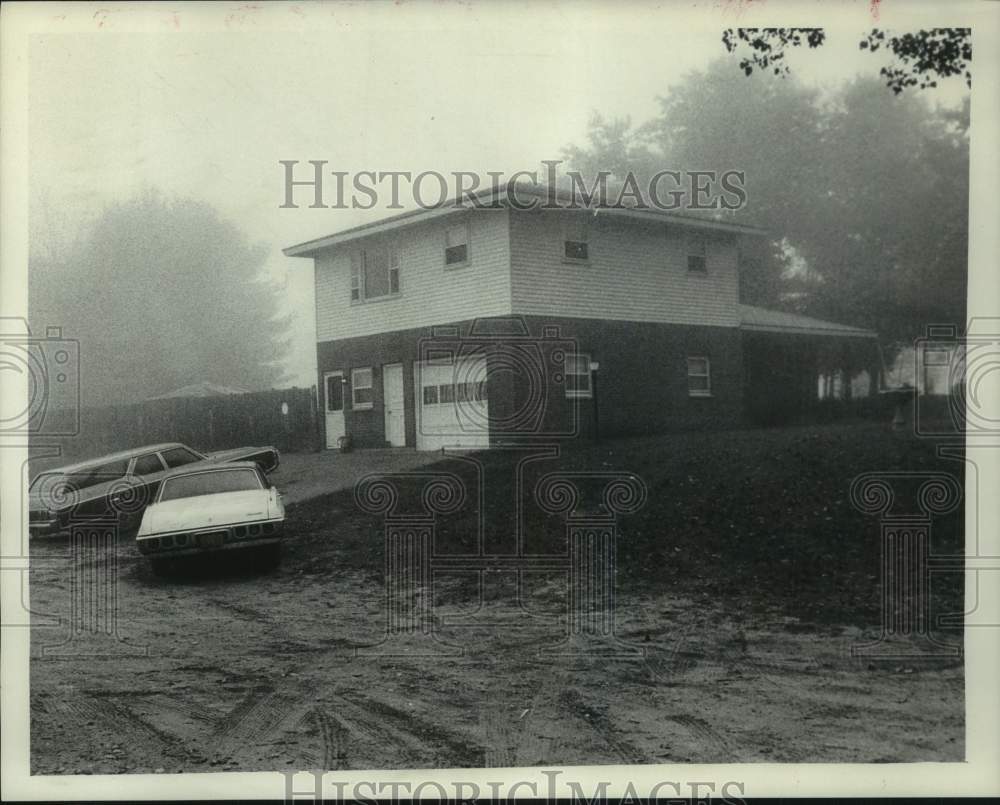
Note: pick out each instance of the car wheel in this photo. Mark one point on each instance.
(269, 556)
(161, 566)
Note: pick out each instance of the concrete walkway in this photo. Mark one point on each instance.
(303, 476)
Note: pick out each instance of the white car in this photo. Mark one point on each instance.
(212, 509)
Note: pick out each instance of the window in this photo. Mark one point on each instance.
(179, 456)
(374, 273)
(696, 254)
(334, 393)
(362, 393)
(456, 246)
(355, 278)
(575, 239)
(699, 380)
(465, 392)
(578, 375)
(209, 483)
(101, 474)
(147, 465)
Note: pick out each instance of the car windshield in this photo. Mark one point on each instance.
(209, 483)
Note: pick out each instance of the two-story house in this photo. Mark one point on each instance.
(465, 327)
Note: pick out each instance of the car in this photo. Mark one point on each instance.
(206, 509)
(118, 486)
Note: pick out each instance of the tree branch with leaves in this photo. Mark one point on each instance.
(922, 58)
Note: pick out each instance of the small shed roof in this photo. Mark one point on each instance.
(761, 319)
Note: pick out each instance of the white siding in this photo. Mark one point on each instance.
(430, 293)
(637, 272)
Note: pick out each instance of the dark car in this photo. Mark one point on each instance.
(119, 486)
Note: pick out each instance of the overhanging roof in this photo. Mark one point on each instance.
(500, 198)
(758, 319)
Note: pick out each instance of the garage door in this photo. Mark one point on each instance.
(452, 405)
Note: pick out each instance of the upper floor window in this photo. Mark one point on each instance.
(575, 244)
(362, 392)
(696, 251)
(374, 273)
(456, 246)
(578, 375)
(699, 377)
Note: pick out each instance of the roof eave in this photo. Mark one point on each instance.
(794, 330)
(488, 200)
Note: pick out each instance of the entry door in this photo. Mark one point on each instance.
(395, 412)
(333, 385)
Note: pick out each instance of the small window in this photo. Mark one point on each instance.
(696, 254)
(362, 393)
(355, 278)
(179, 456)
(393, 271)
(456, 248)
(578, 375)
(575, 246)
(147, 465)
(699, 377)
(334, 393)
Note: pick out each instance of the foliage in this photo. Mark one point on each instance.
(942, 52)
(161, 294)
(865, 197)
(924, 56)
(768, 45)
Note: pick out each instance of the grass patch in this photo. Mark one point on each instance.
(761, 519)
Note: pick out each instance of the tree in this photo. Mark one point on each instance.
(864, 195)
(161, 294)
(923, 56)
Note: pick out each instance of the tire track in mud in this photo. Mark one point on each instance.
(84, 711)
(702, 731)
(412, 732)
(525, 739)
(596, 717)
(334, 738)
(263, 712)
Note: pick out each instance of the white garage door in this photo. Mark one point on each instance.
(452, 405)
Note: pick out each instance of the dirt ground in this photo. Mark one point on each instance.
(233, 667)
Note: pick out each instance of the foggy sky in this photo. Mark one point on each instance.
(411, 87)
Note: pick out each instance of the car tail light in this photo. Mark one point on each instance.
(240, 531)
(166, 542)
(181, 540)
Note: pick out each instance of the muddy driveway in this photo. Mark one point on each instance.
(239, 669)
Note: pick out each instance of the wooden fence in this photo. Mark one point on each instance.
(283, 418)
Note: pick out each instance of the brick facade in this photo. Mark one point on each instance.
(642, 381)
